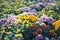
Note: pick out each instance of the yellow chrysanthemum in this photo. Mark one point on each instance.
(18, 35)
(18, 16)
(26, 18)
(32, 17)
(22, 16)
(57, 24)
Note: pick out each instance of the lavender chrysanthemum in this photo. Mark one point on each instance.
(11, 19)
(3, 20)
(7, 21)
(46, 19)
(39, 37)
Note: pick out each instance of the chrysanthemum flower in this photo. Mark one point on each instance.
(57, 24)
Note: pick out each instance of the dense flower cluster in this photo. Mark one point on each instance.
(46, 19)
(29, 20)
(35, 7)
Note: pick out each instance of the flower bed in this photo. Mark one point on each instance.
(34, 21)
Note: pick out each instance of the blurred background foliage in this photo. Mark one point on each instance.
(11, 6)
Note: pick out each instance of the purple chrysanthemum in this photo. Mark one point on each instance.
(46, 19)
(39, 37)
